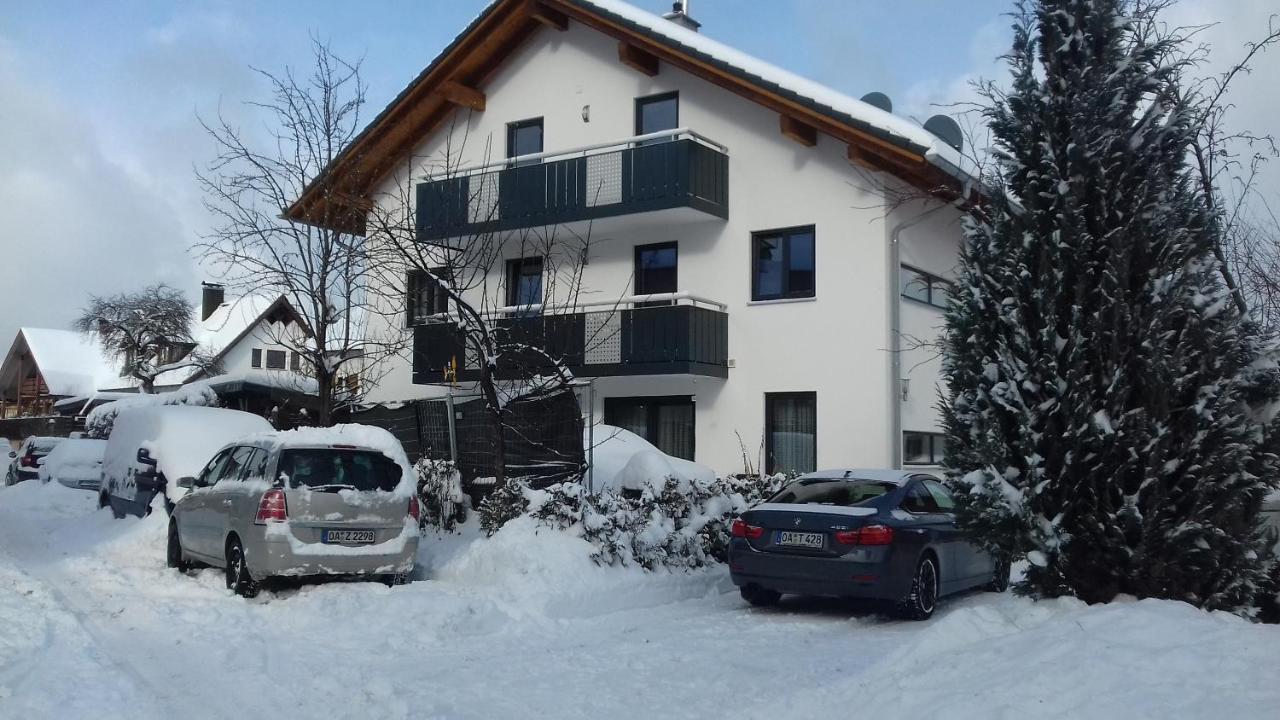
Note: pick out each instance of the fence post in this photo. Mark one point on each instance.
(591, 437)
(453, 437)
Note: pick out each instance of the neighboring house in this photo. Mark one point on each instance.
(45, 365)
(777, 252)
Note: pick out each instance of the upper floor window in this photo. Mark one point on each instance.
(923, 287)
(426, 296)
(295, 361)
(783, 264)
(255, 359)
(657, 113)
(275, 359)
(524, 137)
(524, 281)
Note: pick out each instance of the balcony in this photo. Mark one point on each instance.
(676, 172)
(689, 336)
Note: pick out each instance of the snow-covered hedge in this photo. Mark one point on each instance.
(670, 522)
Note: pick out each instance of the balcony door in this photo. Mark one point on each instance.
(667, 422)
(656, 271)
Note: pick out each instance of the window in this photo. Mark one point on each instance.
(656, 267)
(256, 359)
(275, 359)
(257, 465)
(919, 500)
(657, 113)
(236, 462)
(362, 470)
(923, 448)
(922, 287)
(667, 422)
(829, 491)
(791, 432)
(940, 496)
(295, 361)
(524, 138)
(210, 472)
(783, 264)
(524, 281)
(426, 296)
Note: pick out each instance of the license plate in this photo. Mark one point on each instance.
(346, 537)
(800, 539)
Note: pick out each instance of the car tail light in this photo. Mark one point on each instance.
(272, 507)
(415, 510)
(740, 529)
(869, 535)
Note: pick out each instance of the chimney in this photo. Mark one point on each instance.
(680, 15)
(211, 296)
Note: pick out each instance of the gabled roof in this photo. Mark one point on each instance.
(227, 325)
(70, 362)
(339, 196)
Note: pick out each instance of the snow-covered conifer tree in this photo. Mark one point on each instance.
(1106, 399)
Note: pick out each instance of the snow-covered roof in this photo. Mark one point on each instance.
(70, 362)
(219, 332)
(837, 105)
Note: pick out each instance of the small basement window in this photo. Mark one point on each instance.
(922, 287)
(920, 448)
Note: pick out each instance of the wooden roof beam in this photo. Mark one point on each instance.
(458, 94)
(548, 16)
(638, 58)
(801, 132)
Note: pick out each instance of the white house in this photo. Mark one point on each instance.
(765, 254)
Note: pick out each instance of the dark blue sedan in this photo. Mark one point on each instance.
(887, 535)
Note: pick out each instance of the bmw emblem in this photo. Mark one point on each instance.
(797, 522)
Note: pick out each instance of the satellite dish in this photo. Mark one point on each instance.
(946, 129)
(880, 100)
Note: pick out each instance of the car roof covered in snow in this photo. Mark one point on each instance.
(898, 477)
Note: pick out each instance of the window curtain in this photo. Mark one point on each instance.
(675, 430)
(793, 434)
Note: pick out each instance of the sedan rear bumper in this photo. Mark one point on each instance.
(821, 576)
(277, 556)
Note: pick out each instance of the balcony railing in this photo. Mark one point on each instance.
(689, 336)
(660, 171)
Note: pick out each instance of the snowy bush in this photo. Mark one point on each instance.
(671, 522)
(98, 423)
(440, 494)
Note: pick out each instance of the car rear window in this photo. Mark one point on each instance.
(324, 468)
(845, 493)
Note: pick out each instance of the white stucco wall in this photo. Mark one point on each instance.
(836, 344)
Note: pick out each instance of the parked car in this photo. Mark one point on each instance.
(152, 446)
(76, 463)
(887, 535)
(334, 501)
(26, 464)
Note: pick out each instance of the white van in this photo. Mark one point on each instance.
(151, 447)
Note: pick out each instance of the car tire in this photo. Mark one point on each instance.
(760, 597)
(173, 555)
(922, 600)
(238, 578)
(1000, 577)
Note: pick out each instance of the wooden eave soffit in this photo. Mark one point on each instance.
(458, 94)
(802, 133)
(550, 17)
(637, 58)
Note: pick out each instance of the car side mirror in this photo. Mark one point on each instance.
(12, 454)
(144, 457)
(199, 482)
(186, 483)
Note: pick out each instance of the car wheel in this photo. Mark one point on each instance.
(238, 578)
(759, 596)
(173, 553)
(923, 598)
(1000, 577)
(395, 579)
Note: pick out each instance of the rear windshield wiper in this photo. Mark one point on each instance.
(335, 487)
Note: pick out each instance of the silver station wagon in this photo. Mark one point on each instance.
(337, 501)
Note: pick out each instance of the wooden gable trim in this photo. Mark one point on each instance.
(637, 58)
(461, 95)
(549, 17)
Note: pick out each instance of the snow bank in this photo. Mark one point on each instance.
(622, 459)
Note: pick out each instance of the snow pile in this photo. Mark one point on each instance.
(74, 461)
(671, 523)
(181, 439)
(100, 420)
(622, 460)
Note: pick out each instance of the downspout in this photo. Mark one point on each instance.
(895, 338)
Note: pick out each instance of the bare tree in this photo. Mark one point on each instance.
(511, 343)
(150, 331)
(324, 272)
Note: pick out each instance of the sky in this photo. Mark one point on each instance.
(99, 104)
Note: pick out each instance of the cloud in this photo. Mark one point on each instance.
(72, 221)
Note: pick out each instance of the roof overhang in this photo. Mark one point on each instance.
(339, 197)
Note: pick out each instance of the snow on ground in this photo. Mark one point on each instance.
(523, 625)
